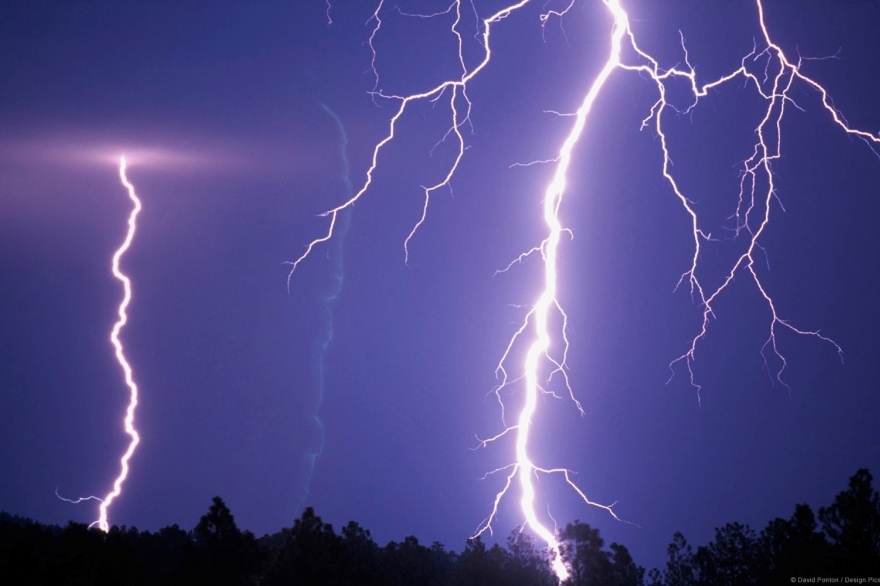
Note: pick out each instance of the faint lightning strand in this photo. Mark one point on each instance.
(326, 336)
(79, 500)
(370, 42)
(558, 14)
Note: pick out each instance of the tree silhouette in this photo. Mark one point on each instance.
(524, 564)
(624, 571)
(310, 554)
(79, 559)
(852, 524)
(163, 555)
(361, 554)
(786, 547)
(680, 569)
(479, 566)
(729, 560)
(793, 547)
(27, 549)
(229, 555)
(581, 551)
(410, 562)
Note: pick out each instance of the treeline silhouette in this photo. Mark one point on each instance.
(844, 542)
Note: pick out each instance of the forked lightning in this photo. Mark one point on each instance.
(766, 69)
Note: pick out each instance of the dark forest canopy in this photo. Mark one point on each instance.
(843, 541)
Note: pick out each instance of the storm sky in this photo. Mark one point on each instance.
(232, 117)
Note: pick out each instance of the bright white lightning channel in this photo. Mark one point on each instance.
(766, 68)
(128, 421)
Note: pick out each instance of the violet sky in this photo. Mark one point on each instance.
(219, 106)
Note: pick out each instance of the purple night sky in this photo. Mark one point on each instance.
(220, 108)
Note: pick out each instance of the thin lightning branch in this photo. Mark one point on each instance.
(548, 347)
(752, 214)
(128, 422)
(557, 14)
(457, 88)
(533, 163)
(370, 42)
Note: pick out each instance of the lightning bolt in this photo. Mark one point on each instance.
(326, 336)
(128, 422)
(766, 68)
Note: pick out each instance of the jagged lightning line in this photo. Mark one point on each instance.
(755, 167)
(457, 89)
(752, 215)
(524, 469)
(338, 276)
(120, 358)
